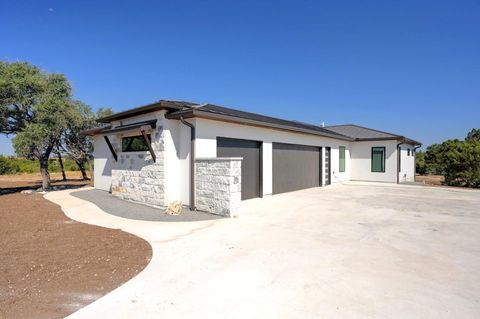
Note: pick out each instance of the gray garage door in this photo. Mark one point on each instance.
(295, 167)
(251, 163)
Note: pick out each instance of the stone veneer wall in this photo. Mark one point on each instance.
(218, 185)
(136, 177)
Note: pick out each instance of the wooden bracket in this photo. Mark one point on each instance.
(149, 145)
(111, 148)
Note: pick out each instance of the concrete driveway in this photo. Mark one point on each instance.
(350, 251)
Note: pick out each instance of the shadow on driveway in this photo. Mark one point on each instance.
(121, 208)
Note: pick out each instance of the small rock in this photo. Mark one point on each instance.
(27, 192)
(175, 208)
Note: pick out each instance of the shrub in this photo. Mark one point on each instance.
(19, 165)
(8, 166)
(458, 161)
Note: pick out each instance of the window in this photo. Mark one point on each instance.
(341, 159)
(378, 159)
(408, 152)
(134, 143)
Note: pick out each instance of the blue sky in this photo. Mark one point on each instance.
(409, 67)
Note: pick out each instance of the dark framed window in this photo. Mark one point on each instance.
(408, 152)
(378, 159)
(135, 143)
(341, 159)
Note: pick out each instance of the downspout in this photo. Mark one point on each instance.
(192, 162)
(399, 153)
(415, 162)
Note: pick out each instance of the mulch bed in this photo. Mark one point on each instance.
(51, 266)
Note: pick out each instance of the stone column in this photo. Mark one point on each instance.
(218, 185)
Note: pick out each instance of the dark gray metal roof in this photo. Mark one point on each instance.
(233, 115)
(262, 118)
(361, 133)
(177, 109)
(159, 105)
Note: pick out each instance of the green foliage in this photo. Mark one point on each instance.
(103, 112)
(473, 135)
(421, 167)
(8, 166)
(36, 107)
(458, 161)
(433, 165)
(19, 165)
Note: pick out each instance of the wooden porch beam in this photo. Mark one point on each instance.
(111, 148)
(149, 145)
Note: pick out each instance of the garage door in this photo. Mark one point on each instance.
(295, 167)
(251, 163)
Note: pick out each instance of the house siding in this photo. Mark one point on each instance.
(361, 161)
(102, 163)
(209, 130)
(407, 171)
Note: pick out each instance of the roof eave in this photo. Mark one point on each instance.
(393, 138)
(157, 106)
(94, 131)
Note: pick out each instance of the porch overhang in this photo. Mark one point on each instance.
(143, 128)
(138, 126)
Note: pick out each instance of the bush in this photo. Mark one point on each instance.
(8, 166)
(458, 161)
(19, 165)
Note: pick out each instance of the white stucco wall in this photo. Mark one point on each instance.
(102, 163)
(209, 130)
(407, 164)
(177, 161)
(361, 161)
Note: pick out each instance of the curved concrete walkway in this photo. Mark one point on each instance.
(124, 298)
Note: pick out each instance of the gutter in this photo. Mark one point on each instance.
(415, 162)
(192, 162)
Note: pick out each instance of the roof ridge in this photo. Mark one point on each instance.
(367, 128)
(372, 129)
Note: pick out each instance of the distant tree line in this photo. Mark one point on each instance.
(457, 160)
(37, 108)
(20, 165)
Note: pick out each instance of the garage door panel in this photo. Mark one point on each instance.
(295, 167)
(250, 152)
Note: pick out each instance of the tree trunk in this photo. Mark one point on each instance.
(82, 169)
(45, 173)
(64, 177)
(90, 168)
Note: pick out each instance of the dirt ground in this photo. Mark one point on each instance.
(430, 179)
(15, 183)
(51, 266)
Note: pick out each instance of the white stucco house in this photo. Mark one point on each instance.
(211, 157)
